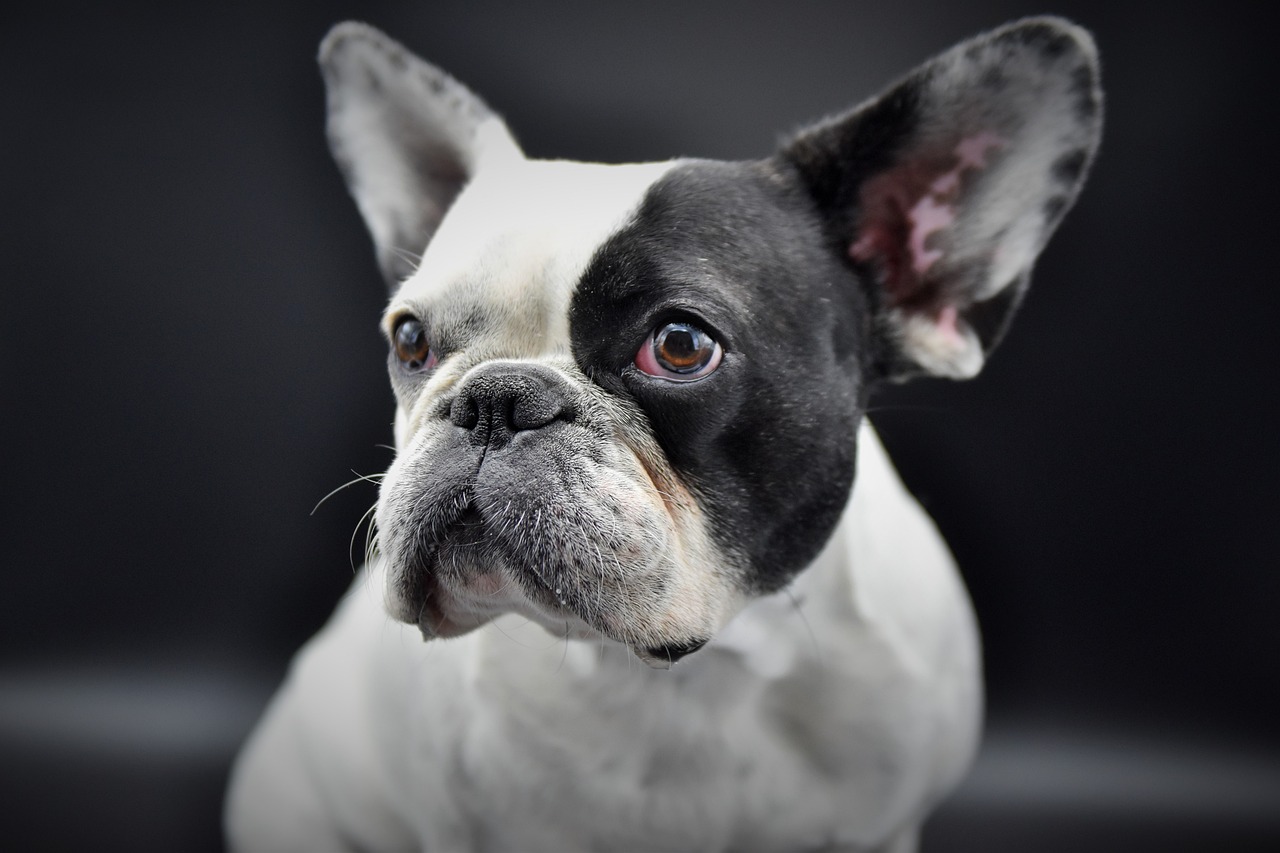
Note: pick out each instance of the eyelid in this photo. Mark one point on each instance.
(681, 313)
(394, 316)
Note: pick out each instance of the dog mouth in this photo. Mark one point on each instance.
(572, 533)
(464, 573)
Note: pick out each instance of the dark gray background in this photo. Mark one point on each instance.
(190, 361)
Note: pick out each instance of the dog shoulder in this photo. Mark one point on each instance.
(327, 763)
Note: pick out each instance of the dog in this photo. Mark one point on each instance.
(673, 593)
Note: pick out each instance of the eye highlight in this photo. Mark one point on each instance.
(678, 352)
(411, 346)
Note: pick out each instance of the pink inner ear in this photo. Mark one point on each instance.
(905, 206)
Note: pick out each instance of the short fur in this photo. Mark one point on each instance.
(559, 512)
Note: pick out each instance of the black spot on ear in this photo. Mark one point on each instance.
(399, 62)
(994, 78)
(1069, 167)
(1083, 82)
(672, 652)
(1054, 208)
(372, 82)
(1050, 41)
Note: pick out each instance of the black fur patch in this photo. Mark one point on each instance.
(1084, 85)
(1049, 40)
(1069, 167)
(835, 157)
(766, 442)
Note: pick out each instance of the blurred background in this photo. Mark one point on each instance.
(190, 361)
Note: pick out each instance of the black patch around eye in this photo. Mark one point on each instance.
(765, 442)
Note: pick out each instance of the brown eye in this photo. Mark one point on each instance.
(680, 352)
(412, 348)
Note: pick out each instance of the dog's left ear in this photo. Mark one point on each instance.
(407, 136)
(943, 190)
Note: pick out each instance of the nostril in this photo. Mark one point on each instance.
(533, 411)
(499, 401)
(464, 412)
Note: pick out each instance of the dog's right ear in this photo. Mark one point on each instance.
(407, 136)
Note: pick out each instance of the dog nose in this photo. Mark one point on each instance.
(502, 399)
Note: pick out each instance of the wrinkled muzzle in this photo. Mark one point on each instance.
(523, 490)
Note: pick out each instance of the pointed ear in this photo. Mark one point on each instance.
(407, 137)
(944, 189)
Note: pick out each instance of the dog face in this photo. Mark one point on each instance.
(628, 396)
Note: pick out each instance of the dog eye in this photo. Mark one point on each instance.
(411, 346)
(679, 352)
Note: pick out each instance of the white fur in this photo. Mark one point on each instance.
(832, 715)
(829, 716)
(513, 247)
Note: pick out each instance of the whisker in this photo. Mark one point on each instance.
(412, 258)
(360, 478)
(351, 546)
(371, 540)
(804, 620)
(564, 655)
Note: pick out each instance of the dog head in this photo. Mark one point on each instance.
(628, 396)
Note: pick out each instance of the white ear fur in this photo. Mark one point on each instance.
(949, 185)
(407, 137)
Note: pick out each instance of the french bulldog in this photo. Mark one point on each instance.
(631, 432)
